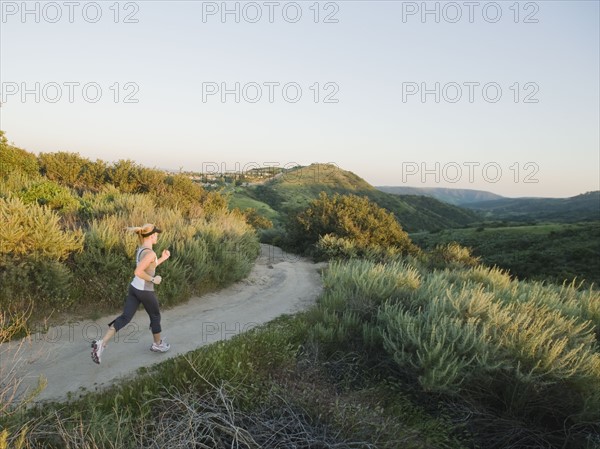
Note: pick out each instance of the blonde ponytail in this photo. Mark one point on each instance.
(139, 230)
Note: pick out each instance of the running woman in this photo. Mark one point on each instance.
(141, 290)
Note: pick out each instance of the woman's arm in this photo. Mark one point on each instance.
(165, 255)
(140, 270)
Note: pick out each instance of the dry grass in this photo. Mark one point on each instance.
(11, 360)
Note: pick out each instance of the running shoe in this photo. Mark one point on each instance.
(163, 346)
(97, 350)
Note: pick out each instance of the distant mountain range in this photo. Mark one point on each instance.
(584, 207)
(458, 197)
(417, 209)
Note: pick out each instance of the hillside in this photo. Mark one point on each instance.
(547, 252)
(584, 207)
(293, 191)
(458, 197)
(420, 351)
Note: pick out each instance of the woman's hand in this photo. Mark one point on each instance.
(157, 280)
(165, 255)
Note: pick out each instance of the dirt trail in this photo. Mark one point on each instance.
(278, 284)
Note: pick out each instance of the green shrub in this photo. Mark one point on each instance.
(151, 180)
(361, 279)
(63, 167)
(254, 219)
(350, 217)
(124, 174)
(93, 175)
(441, 352)
(353, 292)
(544, 365)
(33, 248)
(48, 193)
(231, 245)
(331, 247)
(104, 267)
(13, 159)
(179, 191)
(494, 278)
(16, 182)
(127, 209)
(49, 282)
(452, 255)
(34, 231)
(526, 353)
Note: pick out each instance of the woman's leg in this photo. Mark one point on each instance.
(110, 333)
(131, 305)
(150, 303)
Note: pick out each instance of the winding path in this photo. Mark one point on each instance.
(279, 283)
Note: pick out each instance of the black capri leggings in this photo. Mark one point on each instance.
(133, 300)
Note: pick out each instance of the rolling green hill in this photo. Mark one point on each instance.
(551, 252)
(584, 207)
(458, 197)
(242, 201)
(295, 189)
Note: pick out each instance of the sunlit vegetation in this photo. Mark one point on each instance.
(407, 347)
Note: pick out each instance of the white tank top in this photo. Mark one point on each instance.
(138, 282)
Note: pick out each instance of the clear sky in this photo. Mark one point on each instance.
(498, 96)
